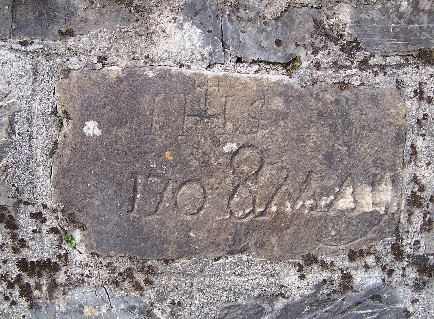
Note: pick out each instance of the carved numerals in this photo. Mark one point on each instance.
(257, 186)
(258, 190)
(190, 197)
(148, 193)
(252, 195)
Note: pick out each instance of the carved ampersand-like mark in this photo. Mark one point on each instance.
(246, 161)
(242, 201)
(258, 185)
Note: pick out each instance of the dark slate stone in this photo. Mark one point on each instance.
(374, 302)
(57, 19)
(241, 311)
(175, 164)
(377, 302)
(207, 17)
(94, 303)
(395, 27)
(251, 37)
(5, 18)
(243, 32)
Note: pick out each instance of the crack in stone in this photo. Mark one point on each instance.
(12, 19)
(108, 296)
(135, 314)
(222, 39)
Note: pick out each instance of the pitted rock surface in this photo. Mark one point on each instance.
(162, 163)
(59, 19)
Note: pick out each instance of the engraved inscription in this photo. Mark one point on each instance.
(246, 161)
(200, 165)
(148, 194)
(190, 198)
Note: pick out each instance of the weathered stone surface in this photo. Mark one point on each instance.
(242, 310)
(374, 302)
(5, 18)
(251, 37)
(395, 27)
(243, 31)
(98, 303)
(8, 108)
(207, 16)
(54, 19)
(171, 164)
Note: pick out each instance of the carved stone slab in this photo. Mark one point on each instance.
(176, 164)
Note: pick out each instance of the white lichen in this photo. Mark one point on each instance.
(91, 128)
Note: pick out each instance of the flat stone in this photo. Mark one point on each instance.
(251, 37)
(99, 303)
(243, 32)
(8, 108)
(166, 163)
(207, 17)
(5, 18)
(57, 19)
(395, 27)
(373, 302)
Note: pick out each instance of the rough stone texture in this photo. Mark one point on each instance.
(5, 18)
(395, 26)
(8, 108)
(274, 40)
(374, 302)
(207, 17)
(38, 268)
(98, 303)
(242, 32)
(166, 164)
(59, 19)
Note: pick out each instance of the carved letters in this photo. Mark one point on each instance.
(255, 190)
(199, 165)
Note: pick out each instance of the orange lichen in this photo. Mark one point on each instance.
(169, 156)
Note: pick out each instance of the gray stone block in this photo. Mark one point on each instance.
(374, 302)
(5, 18)
(172, 164)
(98, 303)
(394, 27)
(207, 17)
(249, 36)
(54, 19)
(377, 302)
(243, 32)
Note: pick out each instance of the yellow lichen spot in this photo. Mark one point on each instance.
(90, 311)
(169, 156)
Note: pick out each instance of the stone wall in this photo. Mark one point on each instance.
(216, 159)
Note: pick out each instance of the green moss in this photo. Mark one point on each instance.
(59, 122)
(70, 241)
